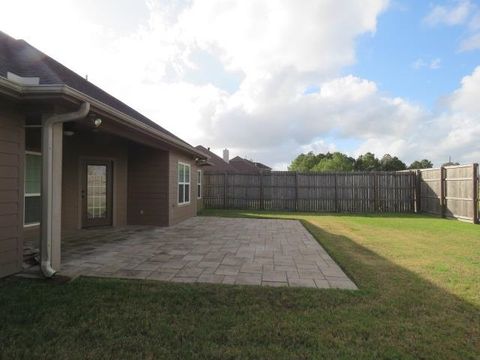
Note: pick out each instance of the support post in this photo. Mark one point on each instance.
(475, 193)
(225, 187)
(50, 239)
(442, 192)
(262, 201)
(296, 190)
(418, 192)
(336, 192)
(57, 195)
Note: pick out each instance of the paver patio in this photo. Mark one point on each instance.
(209, 250)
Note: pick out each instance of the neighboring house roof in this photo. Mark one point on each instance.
(262, 166)
(217, 163)
(246, 166)
(22, 59)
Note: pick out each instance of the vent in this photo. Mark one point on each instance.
(23, 80)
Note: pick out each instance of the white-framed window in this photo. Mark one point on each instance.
(183, 183)
(199, 184)
(32, 185)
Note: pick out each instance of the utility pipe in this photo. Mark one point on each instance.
(47, 184)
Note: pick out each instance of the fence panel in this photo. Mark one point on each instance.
(460, 192)
(450, 191)
(431, 191)
(356, 192)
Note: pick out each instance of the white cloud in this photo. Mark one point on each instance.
(470, 43)
(419, 63)
(281, 48)
(450, 15)
(462, 13)
(452, 131)
(268, 36)
(465, 99)
(433, 64)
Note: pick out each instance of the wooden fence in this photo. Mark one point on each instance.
(359, 192)
(447, 191)
(450, 191)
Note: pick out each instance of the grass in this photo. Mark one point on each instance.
(419, 297)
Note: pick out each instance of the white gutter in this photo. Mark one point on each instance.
(47, 184)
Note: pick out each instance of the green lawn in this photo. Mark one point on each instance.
(419, 297)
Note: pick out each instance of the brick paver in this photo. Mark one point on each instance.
(209, 250)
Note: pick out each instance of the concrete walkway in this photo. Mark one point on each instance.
(208, 250)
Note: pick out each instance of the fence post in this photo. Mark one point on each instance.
(475, 193)
(442, 192)
(296, 191)
(225, 179)
(262, 200)
(336, 192)
(418, 192)
(375, 191)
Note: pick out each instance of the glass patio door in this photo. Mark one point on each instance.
(97, 193)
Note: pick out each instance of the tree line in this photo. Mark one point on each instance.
(338, 161)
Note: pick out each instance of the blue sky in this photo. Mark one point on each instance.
(402, 37)
(271, 79)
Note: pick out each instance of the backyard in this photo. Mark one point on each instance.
(419, 297)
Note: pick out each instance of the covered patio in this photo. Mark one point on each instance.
(208, 250)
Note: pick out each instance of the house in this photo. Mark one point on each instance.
(237, 165)
(217, 164)
(246, 166)
(72, 157)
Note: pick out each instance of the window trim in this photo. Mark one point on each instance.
(184, 183)
(199, 184)
(25, 195)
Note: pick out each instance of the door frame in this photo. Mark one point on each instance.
(84, 162)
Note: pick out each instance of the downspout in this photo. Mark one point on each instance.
(47, 184)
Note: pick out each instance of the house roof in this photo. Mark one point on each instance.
(247, 166)
(262, 166)
(22, 59)
(218, 164)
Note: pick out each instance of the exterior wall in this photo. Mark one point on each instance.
(148, 186)
(179, 213)
(11, 189)
(98, 146)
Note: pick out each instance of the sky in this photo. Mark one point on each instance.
(270, 79)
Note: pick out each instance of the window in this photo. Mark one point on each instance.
(183, 183)
(33, 175)
(199, 184)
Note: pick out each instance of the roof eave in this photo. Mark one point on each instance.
(34, 91)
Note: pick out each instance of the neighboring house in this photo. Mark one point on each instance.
(246, 166)
(217, 164)
(103, 163)
(236, 165)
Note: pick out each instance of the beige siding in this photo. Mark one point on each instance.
(92, 146)
(11, 190)
(147, 186)
(178, 212)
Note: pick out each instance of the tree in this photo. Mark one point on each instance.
(421, 164)
(303, 162)
(335, 162)
(450, 163)
(390, 163)
(367, 162)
